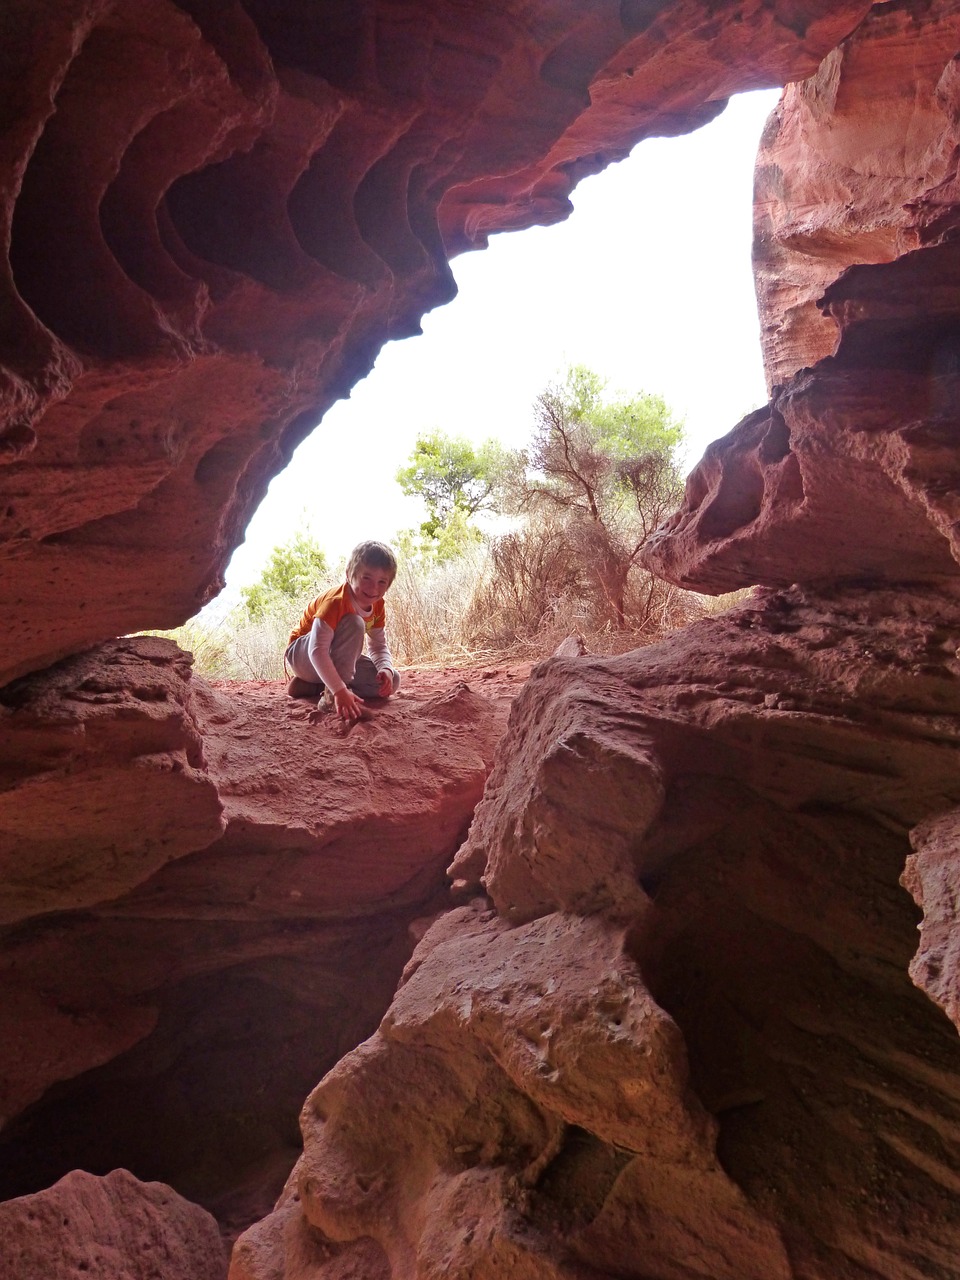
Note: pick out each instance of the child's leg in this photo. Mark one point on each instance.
(354, 667)
(297, 659)
(347, 646)
(366, 680)
(305, 683)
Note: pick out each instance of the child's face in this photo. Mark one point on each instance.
(370, 584)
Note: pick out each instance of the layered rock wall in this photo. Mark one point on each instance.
(857, 166)
(849, 473)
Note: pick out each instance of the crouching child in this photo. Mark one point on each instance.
(325, 651)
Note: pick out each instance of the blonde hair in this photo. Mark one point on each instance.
(375, 554)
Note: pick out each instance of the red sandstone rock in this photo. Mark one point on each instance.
(526, 1107)
(852, 161)
(283, 937)
(114, 1228)
(849, 474)
(258, 201)
(322, 820)
(704, 838)
(45, 1042)
(502, 1051)
(285, 1234)
(102, 778)
(932, 875)
(840, 479)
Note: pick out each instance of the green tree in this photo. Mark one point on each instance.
(295, 572)
(606, 466)
(457, 480)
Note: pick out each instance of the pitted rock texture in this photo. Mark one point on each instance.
(225, 971)
(113, 1227)
(711, 1061)
(530, 1062)
(261, 195)
(932, 875)
(103, 778)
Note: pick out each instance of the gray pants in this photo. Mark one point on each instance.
(354, 668)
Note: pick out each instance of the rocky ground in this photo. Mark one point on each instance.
(675, 1021)
(217, 972)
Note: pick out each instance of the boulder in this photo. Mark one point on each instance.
(112, 1227)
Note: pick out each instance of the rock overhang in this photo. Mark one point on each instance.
(258, 199)
(268, 203)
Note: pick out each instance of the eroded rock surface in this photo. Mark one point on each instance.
(932, 875)
(103, 778)
(850, 472)
(670, 1031)
(226, 969)
(857, 166)
(112, 1227)
(707, 1058)
(260, 196)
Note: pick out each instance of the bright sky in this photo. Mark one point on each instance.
(648, 282)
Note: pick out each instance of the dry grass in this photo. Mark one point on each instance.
(236, 647)
(713, 606)
(427, 608)
(514, 599)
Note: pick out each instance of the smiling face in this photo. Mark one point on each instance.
(369, 584)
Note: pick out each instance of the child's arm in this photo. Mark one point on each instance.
(349, 706)
(382, 660)
(318, 650)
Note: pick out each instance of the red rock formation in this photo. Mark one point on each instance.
(103, 778)
(847, 473)
(719, 823)
(259, 197)
(856, 164)
(707, 1054)
(673, 1033)
(112, 1227)
(278, 916)
(932, 875)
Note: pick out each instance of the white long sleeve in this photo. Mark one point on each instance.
(318, 648)
(379, 650)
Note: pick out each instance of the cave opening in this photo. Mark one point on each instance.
(214, 925)
(208, 1102)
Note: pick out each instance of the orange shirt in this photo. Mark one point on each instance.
(331, 607)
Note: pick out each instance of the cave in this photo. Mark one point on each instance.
(650, 971)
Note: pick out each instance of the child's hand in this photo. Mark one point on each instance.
(349, 706)
(385, 683)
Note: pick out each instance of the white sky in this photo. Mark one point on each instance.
(648, 283)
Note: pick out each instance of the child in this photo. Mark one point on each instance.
(325, 651)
